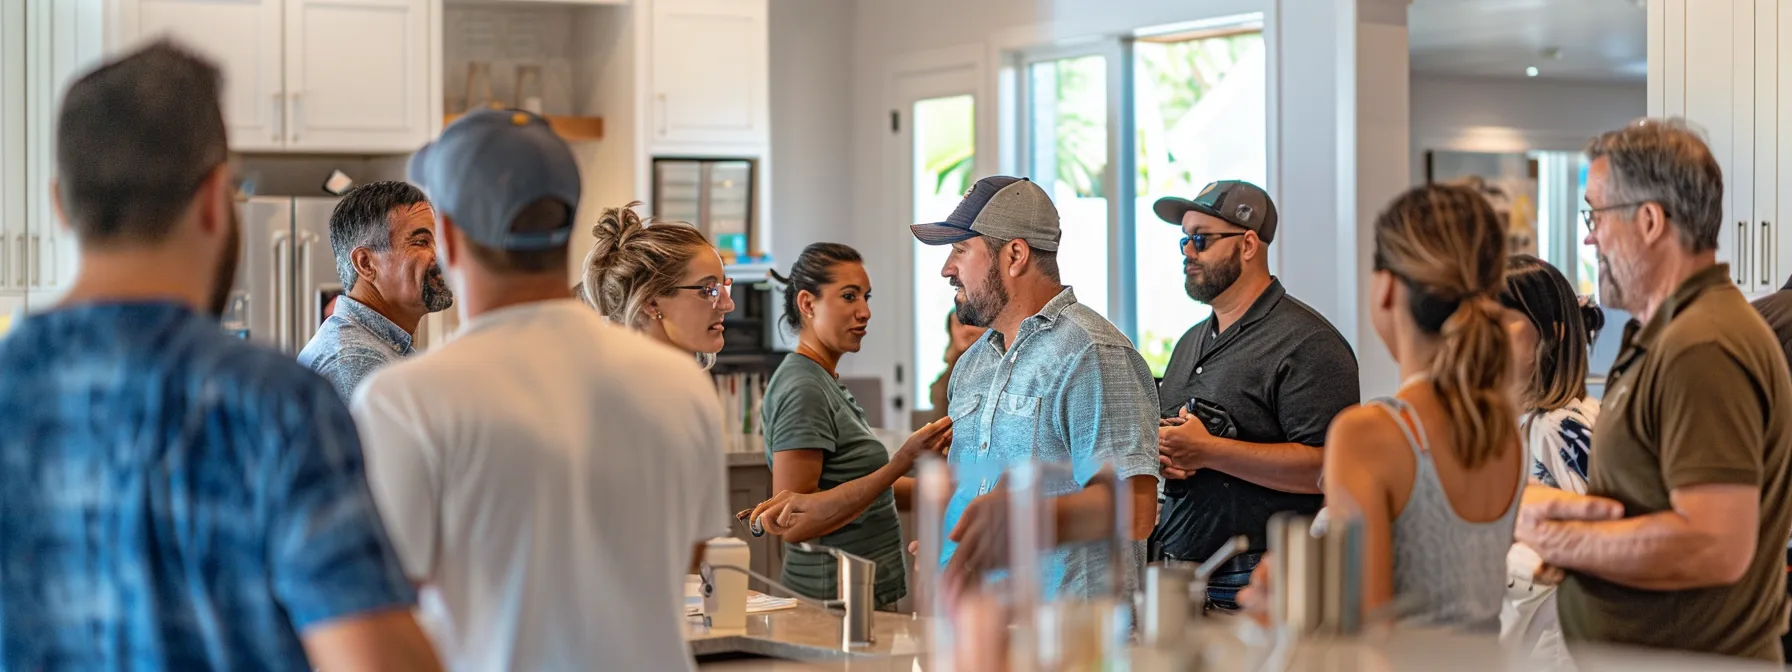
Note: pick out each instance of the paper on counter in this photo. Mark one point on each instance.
(757, 603)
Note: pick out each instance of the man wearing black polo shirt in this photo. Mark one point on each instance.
(1248, 393)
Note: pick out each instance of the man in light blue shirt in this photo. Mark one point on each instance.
(383, 234)
(1051, 382)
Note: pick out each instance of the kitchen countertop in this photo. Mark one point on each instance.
(806, 633)
(1399, 651)
(740, 459)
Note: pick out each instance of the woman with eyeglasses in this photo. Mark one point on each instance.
(837, 485)
(665, 280)
(1551, 331)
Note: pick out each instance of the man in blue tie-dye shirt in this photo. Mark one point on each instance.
(174, 498)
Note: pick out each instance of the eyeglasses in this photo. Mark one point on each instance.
(713, 290)
(1588, 216)
(1203, 240)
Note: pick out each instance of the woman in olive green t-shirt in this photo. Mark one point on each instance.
(837, 486)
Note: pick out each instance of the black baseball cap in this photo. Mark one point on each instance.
(1235, 201)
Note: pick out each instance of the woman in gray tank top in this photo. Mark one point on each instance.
(1436, 470)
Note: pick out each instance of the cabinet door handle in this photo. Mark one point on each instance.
(295, 115)
(37, 260)
(279, 113)
(1741, 252)
(663, 114)
(23, 262)
(1766, 259)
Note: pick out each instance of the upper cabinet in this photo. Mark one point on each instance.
(350, 76)
(709, 73)
(357, 75)
(243, 38)
(1718, 64)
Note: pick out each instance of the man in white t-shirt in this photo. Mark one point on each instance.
(545, 476)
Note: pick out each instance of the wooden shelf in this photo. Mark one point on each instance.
(572, 129)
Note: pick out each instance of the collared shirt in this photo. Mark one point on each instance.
(1699, 395)
(353, 343)
(1280, 374)
(174, 498)
(1070, 392)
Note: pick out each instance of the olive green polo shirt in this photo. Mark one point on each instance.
(1699, 395)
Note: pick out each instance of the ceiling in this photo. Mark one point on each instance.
(1599, 40)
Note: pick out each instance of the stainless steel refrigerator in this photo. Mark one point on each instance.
(286, 279)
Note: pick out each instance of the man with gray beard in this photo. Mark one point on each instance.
(383, 234)
(1261, 379)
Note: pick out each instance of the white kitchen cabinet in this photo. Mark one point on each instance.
(13, 273)
(1718, 64)
(357, 75)
(243, 38)
(710, 70)
(326, 76)
(63, 39)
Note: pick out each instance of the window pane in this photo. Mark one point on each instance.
(1198, 109)
(1069, 155)
(945, 144)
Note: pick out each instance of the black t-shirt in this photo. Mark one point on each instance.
(1282, 372)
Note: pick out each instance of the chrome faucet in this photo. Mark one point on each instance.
(857, 599)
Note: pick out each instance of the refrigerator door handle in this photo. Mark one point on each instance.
(282, 291)
(301, 328)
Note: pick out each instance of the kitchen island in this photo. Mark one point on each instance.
(806, 633)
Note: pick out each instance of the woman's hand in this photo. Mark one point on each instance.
(1254, 599)
(934, 437)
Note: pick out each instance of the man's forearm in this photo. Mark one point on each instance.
(1659, 551)
(1289, 467)
(853, 497)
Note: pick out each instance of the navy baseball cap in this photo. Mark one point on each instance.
(488, 166)
(1235, 201)
(1001, 207)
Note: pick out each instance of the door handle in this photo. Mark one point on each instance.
(37, 260)
(282, 292)
(295, 115)
(1741, 252)
(663, 114)
(312, 310)
(24, 263)
(1766, 260)
(279, 113)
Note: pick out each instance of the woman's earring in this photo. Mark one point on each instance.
(659, 316)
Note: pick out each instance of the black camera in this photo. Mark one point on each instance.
(1218, 422)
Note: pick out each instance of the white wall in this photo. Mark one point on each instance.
(1512, 115)
(811, 77)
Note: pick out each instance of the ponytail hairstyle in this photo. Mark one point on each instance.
(633, 263)
(813, 268)
(1448, 246)
(1564, 335)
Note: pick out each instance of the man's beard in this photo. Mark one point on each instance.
(437, 297)
(1611, 289)
(980, 310)
(225, 279)
(1214, 279)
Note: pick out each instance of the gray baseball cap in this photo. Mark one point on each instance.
(488, 166)
(1001, 207)
(1235, 201)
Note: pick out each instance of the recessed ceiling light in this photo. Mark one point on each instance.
(1530, 71)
